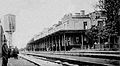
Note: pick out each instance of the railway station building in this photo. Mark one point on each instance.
(68, 34)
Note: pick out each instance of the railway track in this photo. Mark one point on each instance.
(61, 61)
(46, 61)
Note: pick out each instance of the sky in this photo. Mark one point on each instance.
(32, 16)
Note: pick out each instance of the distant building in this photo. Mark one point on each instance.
(70, 22)
(69, 32)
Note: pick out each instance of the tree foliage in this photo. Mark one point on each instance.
(111, 30)
(112, 27)
(92, 33)
(96, 33)
(112, 10)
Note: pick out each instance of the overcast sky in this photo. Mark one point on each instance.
(34, 15)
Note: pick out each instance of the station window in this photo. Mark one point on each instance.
(85, 25)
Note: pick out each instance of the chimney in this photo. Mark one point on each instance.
(82, 12)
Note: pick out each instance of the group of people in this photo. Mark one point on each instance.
(8, 52)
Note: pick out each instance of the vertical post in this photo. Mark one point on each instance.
(59, 44)
(38, 46)
(64, 42)
(34, 47)
(52, 43)
(48, 44)
(44, 44)
(56, 42)
(72, 39)
(82, 42)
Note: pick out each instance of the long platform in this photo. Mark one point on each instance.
(18, 62)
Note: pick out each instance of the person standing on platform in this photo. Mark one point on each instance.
(9, 52)
(15, 52)
(4, 53)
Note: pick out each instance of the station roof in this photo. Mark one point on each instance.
(60, 32)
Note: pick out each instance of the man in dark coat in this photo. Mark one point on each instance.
(4, 53)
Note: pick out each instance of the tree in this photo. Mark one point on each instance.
(96, 34)
(112, 12)
(92, 35)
